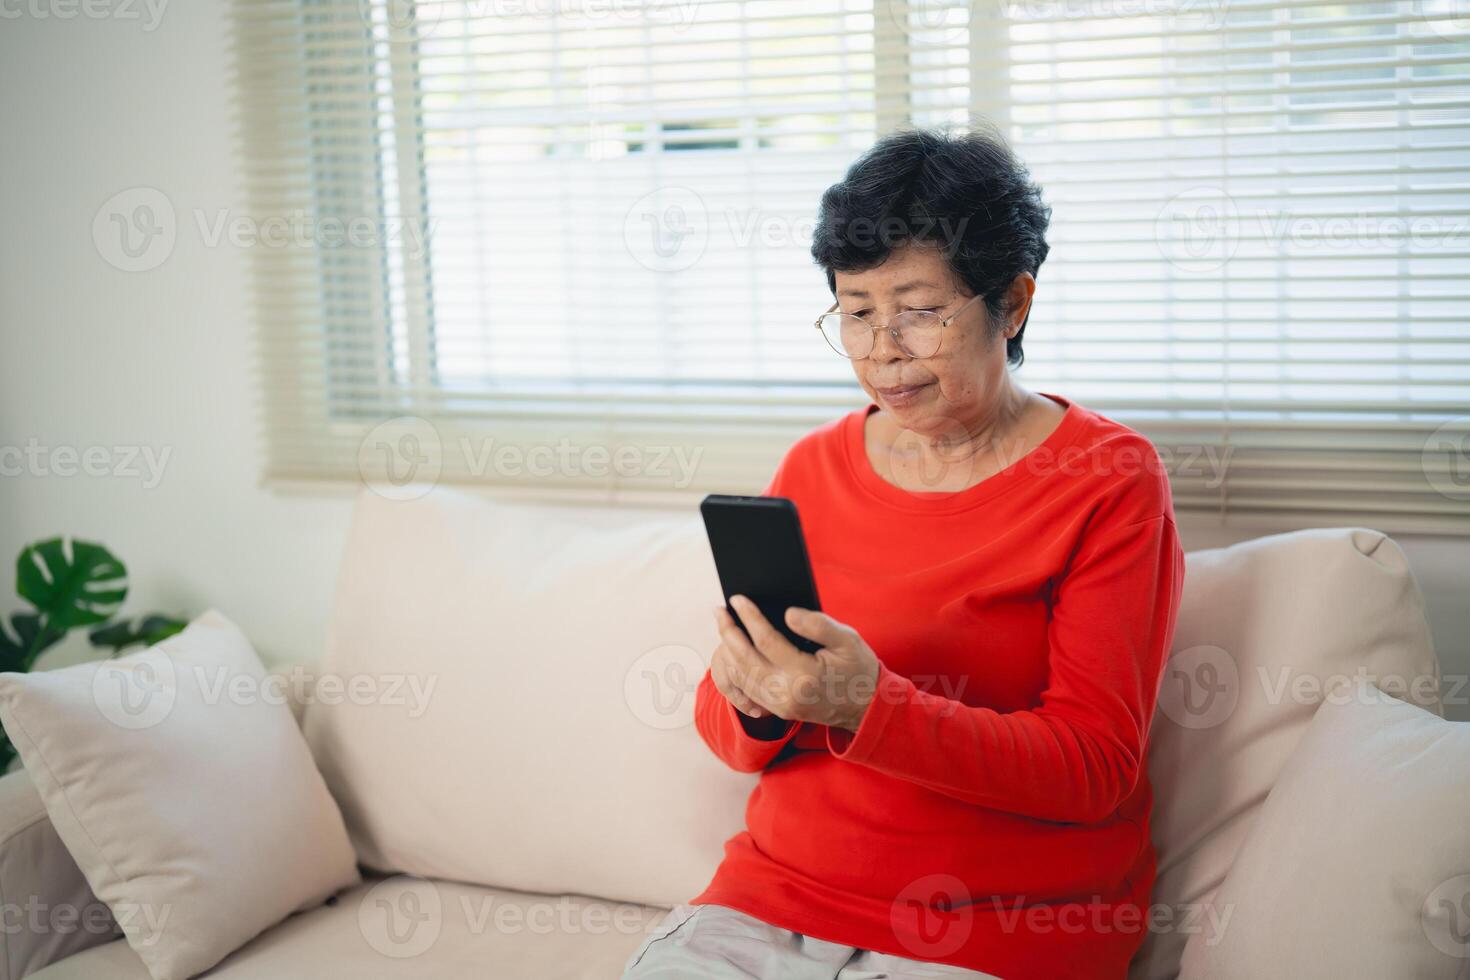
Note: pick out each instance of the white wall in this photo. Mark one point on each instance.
(93, 356)
(96, 356)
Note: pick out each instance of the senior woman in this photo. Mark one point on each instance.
(954, 785)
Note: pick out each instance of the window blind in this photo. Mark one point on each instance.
(583, 231)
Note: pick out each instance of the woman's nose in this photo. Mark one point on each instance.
(885, 347)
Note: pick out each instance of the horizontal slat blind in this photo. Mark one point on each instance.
(592, 226)
(1260, 238)
(617, 207)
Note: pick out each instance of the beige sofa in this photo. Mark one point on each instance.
(1311, 606)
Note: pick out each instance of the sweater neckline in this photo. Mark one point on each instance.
(1018, 472)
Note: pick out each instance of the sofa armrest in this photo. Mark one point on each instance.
(47, 910)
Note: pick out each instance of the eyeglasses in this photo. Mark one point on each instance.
(918, 333)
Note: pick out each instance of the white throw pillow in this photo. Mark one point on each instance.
(525, 698)
(1264, 627)
(1359, 862)
(184, 790)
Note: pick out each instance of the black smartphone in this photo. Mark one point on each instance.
(760, 553)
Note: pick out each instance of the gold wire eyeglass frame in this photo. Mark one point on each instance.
(896, 325)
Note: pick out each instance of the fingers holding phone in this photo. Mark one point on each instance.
(728, 675)
(804, 666)
(831, 687)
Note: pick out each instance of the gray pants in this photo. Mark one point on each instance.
(712, 942)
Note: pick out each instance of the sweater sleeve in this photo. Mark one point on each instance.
(743, 743)
(1078, 754)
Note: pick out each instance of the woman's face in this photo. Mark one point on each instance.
(964, 381)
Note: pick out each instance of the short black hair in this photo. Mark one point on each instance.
(964, 191)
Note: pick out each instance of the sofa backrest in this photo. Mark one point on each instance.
(526, 698)
(556, 751)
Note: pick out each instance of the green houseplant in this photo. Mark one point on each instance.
(71, 584)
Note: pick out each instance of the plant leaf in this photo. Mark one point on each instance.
(71, 583)
(12, 651)
(145, 630)
(19, 652)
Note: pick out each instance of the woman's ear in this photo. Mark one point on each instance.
(1018, 303)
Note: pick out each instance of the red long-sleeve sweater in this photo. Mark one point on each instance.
(991, 810)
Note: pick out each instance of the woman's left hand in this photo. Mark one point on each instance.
(832, 687)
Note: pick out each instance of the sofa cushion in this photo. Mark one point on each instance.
(184, 791)
(413, 928)
(551, 745)
(1264, 628)
(1359, 862)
